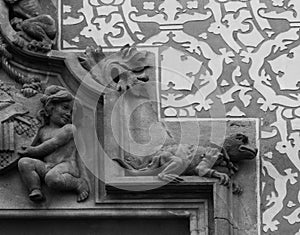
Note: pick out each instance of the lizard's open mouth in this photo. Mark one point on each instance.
(252, 151)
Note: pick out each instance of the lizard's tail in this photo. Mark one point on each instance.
(133, 172)
(123, 163)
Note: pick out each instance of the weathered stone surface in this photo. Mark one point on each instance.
(230, 60)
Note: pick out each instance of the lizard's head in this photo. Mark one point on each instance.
(238, 148)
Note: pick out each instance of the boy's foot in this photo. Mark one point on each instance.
(82, 190)
(36, 195)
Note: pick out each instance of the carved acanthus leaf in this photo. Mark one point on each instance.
(119, 71)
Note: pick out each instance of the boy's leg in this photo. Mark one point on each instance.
(31, 170)
(65, 177)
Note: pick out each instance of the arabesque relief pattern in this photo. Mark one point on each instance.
(243, 55)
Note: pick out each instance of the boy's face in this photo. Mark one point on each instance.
(62, 113)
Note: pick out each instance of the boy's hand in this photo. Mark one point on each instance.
(26, 151)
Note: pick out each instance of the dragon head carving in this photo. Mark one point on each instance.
(119, 71)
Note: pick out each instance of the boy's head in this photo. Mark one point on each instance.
(57, 105)
(56, 94)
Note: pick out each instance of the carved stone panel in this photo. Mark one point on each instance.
(212, 62)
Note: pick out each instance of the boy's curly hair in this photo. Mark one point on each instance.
(52, 95)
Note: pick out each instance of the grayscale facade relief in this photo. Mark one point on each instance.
(150, 117)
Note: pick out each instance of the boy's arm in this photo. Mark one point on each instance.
(36, 141)
(49, 146)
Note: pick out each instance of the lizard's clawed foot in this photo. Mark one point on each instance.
(236, 189)
(172, 178)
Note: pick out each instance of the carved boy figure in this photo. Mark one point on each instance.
(53, 157)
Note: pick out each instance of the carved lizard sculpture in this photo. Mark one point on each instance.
(212, 161)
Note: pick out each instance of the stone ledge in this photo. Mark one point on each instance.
(133, 188)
